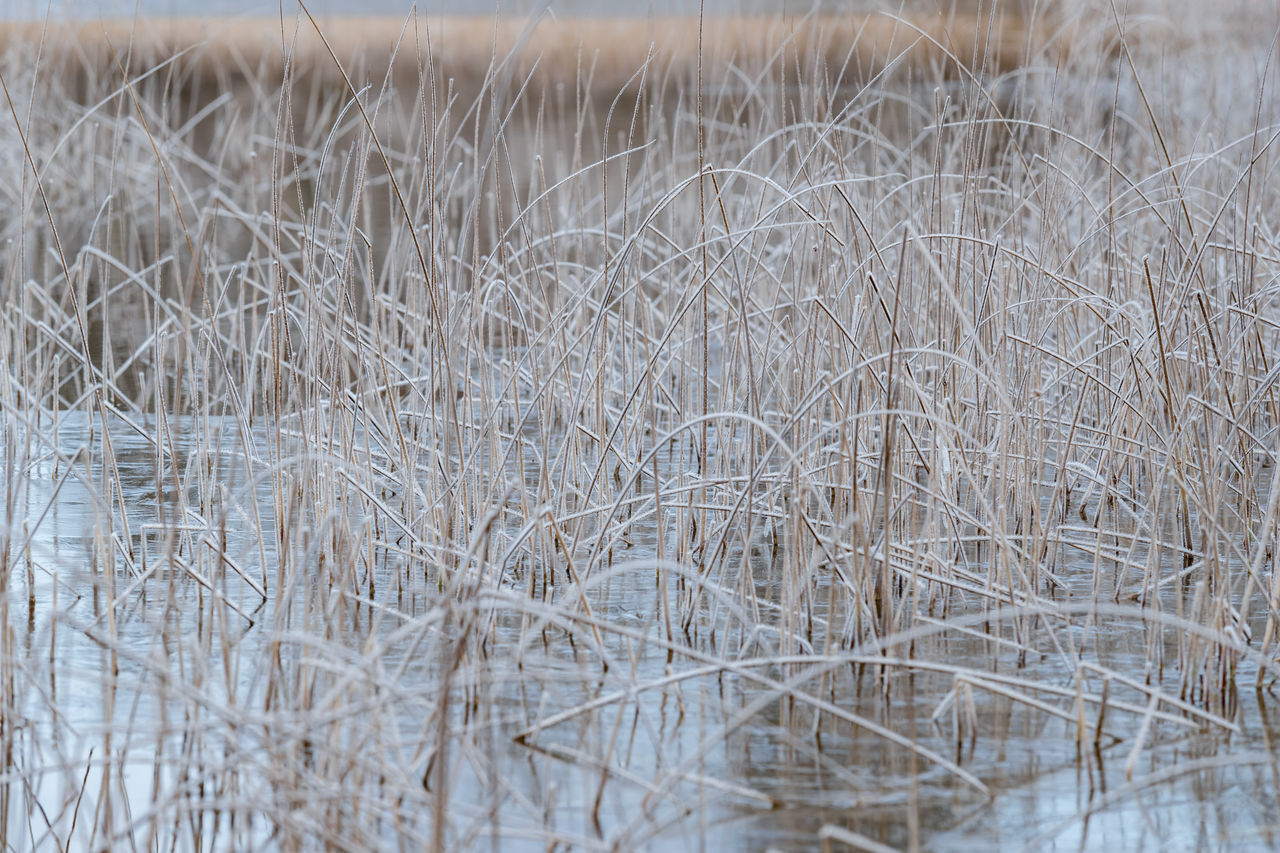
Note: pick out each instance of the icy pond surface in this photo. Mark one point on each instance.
(167, 657)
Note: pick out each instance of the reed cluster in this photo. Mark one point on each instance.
(510, 455)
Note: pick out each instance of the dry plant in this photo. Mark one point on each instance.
(565, 454)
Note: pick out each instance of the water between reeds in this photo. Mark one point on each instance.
(153, 662)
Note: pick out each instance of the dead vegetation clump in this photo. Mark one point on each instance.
(580, 453)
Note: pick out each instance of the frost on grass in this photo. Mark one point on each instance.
(777, 454)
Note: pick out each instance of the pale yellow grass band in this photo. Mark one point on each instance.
(605, 52)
